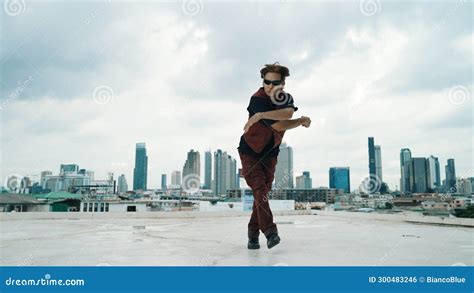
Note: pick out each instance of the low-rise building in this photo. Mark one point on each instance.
(21, 203)
(321, 194)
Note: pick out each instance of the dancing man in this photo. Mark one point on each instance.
(270, 112)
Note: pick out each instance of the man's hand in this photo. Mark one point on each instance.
(252, 120)
(284, 125)
(305, 121)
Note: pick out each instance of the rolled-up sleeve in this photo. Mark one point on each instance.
(287, 101)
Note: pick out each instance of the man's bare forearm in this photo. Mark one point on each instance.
(286, 124)
(281, 114)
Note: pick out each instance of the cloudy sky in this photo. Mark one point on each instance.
(83, 82)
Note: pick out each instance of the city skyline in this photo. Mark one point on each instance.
(72, 96)
(193, 167)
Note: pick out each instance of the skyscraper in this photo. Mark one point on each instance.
(418, 175)
(434, 180)
(140, 172)
(218, 181)
(207, 170)
(450, 176)
(163, 181)
(304, 181)
(225, 173)
(232, 173)
(237, 176)
(374, 182)
(192, 166)
(339, 177)
(405, 159)
(378, 162)
(122, 186)
(372, 171)
(284, 167)
(175, 179)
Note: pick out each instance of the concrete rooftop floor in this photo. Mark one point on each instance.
(307, 240)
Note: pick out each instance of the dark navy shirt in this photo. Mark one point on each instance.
(264, 104)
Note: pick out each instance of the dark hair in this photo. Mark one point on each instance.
(276, 68)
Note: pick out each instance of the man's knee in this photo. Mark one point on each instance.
(259, 188)
(255, 179)
(261, 196)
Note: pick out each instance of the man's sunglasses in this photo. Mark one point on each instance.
(274, 82)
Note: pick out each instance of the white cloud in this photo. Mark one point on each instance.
(183, 82)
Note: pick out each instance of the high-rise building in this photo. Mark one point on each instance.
(192, 166)
(304, 181)
(450, 176)
(405, 160)
(207, 170)
(339, 177)
(225, 173)
(284, 167)
(374, 182)
(372, 168)
(418, 175)
(464, 186)
(218, 184)
(163, 181)
(434, 180)
(232, 174)
(140, 172)
(122, 186)
(378, 162)
(110, 177)
(175, 179)
(237, 176)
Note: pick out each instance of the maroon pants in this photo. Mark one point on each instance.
(259, 174)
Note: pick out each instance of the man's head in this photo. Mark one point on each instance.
(273, 76)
